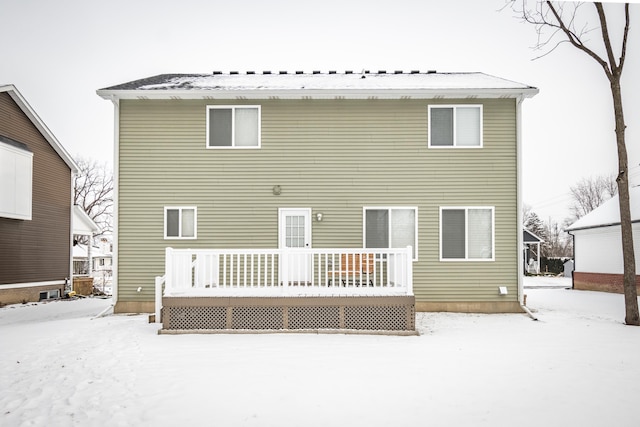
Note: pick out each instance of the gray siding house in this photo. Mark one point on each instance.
(298, 193)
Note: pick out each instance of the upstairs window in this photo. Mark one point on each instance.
(455, 126)
(180, 222)
(233, 127)
(16, 180)
(466, 234)
(391, 228)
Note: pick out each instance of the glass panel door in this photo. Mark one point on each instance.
(295, 233)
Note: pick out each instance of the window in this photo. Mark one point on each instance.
(466, 233)
(233, 127)
(455, 126)
(16, 176)
(391, 228)
(49, 294)
(180, 222)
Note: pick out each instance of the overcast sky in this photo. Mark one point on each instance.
(58, 53)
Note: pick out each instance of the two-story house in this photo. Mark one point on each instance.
(36, 202)
(317, 200)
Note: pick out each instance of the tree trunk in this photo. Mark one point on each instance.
(628, 255)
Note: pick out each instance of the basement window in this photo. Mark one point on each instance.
(52, 294)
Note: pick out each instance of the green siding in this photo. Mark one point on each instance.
(334, 156)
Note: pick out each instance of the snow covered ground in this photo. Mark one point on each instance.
(577, 365)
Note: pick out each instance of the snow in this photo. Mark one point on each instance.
(608, 213)
(577, 365)
(336, 81)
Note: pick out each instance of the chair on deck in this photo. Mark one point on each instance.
(354, 269)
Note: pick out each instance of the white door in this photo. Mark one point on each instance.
(294, 231)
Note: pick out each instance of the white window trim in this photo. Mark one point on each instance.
(389, 208)
(466, 234)
(17, 182)
(180, 209)
(233, 109)
(455, 107)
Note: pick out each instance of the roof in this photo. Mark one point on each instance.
(608, 213)
(80, 251)
(82, 223)
(529, 237)
(317, 85)
(39, 124)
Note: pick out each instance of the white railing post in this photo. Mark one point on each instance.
(409, 269)
(168, 269)
(284, 264)
(159, 282)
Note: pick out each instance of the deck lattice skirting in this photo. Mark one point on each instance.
(379, 314)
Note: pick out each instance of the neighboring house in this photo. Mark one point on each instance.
(313, 185)
(101, 259)
(597, 245)
(83, 226)
(531, 252)
(36, 200)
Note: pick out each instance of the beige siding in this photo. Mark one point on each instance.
(332, 156)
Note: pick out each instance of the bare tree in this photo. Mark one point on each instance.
(93, 192)
(589, 193)
(558, 244)
(560, 23)
(527, 210)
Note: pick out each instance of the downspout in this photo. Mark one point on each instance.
(116, 181)
(68, 287)
(520, 240)
(573, 244)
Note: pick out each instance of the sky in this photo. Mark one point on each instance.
(61, 364)
(59, 53)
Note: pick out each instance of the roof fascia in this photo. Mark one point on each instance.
(39, 124)
(318, 93)
(592, 227)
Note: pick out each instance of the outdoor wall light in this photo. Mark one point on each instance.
(502, 290)
(319, 216)
(277, 190)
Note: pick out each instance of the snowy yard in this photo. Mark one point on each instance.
(577, 365)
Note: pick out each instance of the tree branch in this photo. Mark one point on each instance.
(576, 41)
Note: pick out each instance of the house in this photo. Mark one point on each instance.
(101, 259)
(597, 245)
(316, 200)
(36, 200)
(83, 227)
(531, 252)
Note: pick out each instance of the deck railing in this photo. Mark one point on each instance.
(287, 272)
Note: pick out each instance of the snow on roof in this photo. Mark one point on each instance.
(80, 251)
(429, 83)
(82, 223)
(608, 213)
